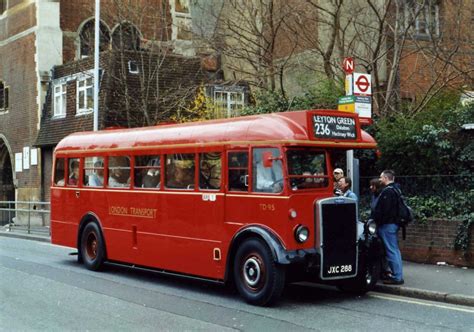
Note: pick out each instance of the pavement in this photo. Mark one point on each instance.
(441, 283)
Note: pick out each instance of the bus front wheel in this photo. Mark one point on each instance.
(92, 247)
(258, 278)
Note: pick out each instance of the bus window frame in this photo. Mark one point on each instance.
(227, 169)
(283, 166)
(83, 170)
(54, 182)
(107, 157)
(289, 177)
(80, 179)
(161, 187)
(198, 168)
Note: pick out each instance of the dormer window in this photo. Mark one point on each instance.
(85, 95)
(59, 100)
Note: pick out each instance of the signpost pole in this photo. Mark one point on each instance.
(350, 164)
(96, 65)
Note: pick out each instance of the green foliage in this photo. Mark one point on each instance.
(267, 102)
(432, 142)
(456, 205)
(322, 96)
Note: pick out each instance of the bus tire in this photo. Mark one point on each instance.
(92, 247)
(365, 280)
(258, 277)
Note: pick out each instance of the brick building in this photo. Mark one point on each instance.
(30, 44)
(46, 49)
(125, 96)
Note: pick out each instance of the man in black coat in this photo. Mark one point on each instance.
(386, 218)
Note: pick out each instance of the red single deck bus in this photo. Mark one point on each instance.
(248, 200)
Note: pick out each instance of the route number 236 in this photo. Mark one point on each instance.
(321, 129)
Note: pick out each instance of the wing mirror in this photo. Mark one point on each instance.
(268, 159)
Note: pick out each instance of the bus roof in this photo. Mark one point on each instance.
(289, 128)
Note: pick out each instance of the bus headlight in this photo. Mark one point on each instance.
(371, 227)
(301, 234)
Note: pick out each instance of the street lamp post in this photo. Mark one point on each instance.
(96, 65)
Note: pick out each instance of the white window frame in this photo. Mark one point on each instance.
(131, 70)
(59, 111)
(228, 102)
(88, 108)
(429, 15)
(178, 17)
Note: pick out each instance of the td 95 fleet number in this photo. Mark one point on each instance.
(339, 269)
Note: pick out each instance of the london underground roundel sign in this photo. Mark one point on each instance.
(362, 84)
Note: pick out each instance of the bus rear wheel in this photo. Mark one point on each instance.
(258, 278)
(92, 247)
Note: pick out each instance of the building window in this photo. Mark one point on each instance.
(423, 18)
(86, 36)
(3, 6)
(126, 37)
(182, 21)
(85, 95)
(4, 91)
(133, 67)
(229, 101)
(59, 106)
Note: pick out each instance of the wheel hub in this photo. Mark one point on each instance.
(91, 246)
(252, 271)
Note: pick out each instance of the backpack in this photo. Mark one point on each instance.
(405, 213)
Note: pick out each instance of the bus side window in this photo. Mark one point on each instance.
(93, 171)
(210, 171)
(267, 179)
(238, 171)
(179, 171)
(147, 171)
(119, 172)
(73, 172)
(59, 173)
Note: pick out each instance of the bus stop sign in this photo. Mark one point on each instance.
(348, 65)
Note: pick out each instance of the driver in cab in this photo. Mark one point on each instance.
(269, 177)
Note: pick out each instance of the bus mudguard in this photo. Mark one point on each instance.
(88, 217)
(278, 250)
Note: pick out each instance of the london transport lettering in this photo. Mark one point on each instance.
(337, 127)
(132, 212)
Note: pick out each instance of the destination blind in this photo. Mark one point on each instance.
(334, 127)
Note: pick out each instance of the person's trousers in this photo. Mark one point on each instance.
(389, 235)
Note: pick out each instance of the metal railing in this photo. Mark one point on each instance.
(29, 216)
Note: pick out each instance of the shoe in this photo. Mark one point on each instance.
(393, 282)
(386, 276)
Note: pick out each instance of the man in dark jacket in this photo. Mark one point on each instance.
(386, 218)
